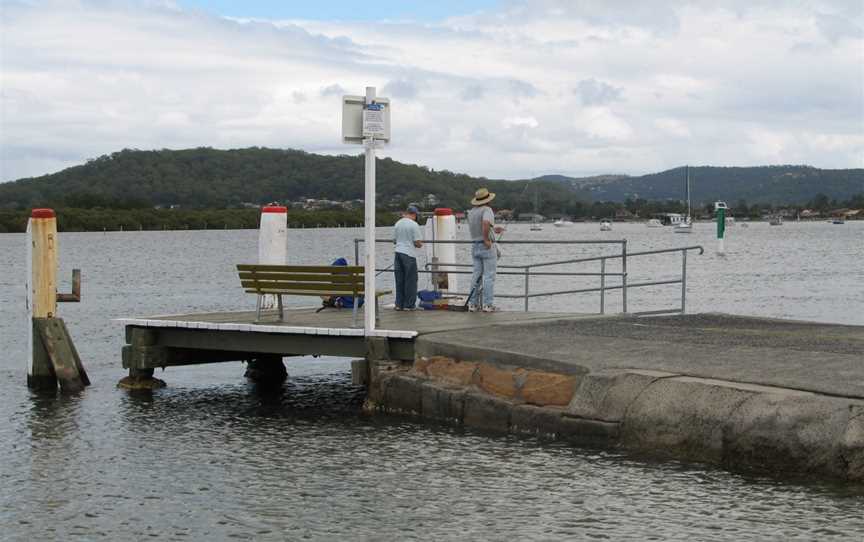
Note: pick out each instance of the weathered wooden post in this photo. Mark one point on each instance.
(53, 357)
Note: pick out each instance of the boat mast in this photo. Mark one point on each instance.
(687, 189)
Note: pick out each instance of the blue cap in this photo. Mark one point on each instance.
(413, 210)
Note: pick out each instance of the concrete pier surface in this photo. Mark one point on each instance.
(821, 358)
(777, 395)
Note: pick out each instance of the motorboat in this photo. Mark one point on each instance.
(535, 226)
(838, 220)
(776, 221)
(563, 223)
(605, 225)
(684, 227)
(654, 223)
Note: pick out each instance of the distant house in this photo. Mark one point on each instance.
(431, 200)
(809, 213)
(623, 214)
(504, 214)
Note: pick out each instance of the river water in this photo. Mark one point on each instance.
(212, 457)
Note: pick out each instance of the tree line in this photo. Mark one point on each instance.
(101, 219)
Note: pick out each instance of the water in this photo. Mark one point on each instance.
(214, 457)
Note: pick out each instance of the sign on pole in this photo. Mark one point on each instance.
(361, 120)
(366, 120)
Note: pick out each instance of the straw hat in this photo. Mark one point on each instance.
(482, 197)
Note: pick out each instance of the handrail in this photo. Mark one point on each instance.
(528, 270)
(614, 256)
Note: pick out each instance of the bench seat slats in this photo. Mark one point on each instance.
(378, 293)
(288, 287)
(306, 280)
(301, 277)
(341, 269)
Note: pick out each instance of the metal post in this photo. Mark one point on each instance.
(369, 246)
(683, 279)
(602, 285)
(356, 252)
(624, 276)
(527, 275)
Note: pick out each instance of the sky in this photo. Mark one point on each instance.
(496, 88)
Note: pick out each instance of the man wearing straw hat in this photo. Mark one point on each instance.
(481, 224)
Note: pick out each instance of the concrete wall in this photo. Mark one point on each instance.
(731, 424)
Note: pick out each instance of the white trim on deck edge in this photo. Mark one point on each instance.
(263, 328)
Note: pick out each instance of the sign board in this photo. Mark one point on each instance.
(361, 121)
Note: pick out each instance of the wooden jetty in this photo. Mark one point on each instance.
(188, 339)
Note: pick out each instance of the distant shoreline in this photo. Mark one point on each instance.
(102, 219)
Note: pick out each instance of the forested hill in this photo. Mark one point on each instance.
(767, 184)
(206, 177)
(209, 178)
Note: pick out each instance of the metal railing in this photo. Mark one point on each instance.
(528, 270)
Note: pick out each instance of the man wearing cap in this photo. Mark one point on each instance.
(481, 224)
(407, 238)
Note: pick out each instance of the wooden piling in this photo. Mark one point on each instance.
(53, 357)
(43, 285)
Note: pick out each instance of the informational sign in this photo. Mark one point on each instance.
(374, 122)
(361, 120)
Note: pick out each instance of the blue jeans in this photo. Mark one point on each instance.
(405, 270)
(485, 264)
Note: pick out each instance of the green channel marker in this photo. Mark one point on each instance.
(720, 214)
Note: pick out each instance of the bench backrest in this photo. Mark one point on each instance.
(288, 278)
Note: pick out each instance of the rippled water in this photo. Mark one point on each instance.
(214, 457)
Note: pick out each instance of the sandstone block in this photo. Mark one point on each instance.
(451, 371)
(541, 388)
(496, 381)
(421, 363)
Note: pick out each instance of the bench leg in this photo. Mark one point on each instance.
(354, 314)
(258, 309)
(377, 312)
(281, 311)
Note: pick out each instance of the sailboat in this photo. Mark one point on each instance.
(686, 225)
(535, 226)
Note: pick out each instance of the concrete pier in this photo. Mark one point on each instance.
(767, 394)
(773, 395)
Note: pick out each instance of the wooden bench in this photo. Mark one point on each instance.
(308, 280)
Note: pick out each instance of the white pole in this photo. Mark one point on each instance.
(369, 204)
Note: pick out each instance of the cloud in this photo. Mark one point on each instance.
(578, 86)
(400, 89)
(594, 92)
